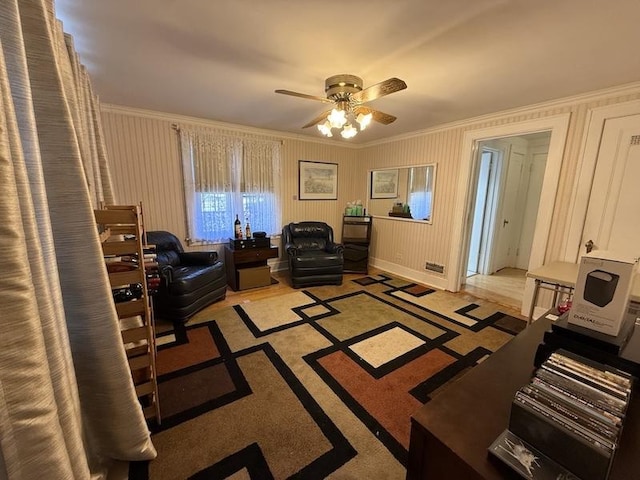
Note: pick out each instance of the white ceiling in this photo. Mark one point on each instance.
(223, 59)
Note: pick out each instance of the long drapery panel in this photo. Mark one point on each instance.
(68, 408)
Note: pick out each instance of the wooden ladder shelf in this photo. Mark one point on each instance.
(124, 246)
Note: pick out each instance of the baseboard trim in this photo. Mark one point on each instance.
(424, 278)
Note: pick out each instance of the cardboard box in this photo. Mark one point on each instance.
(253, 277)
(603, 287)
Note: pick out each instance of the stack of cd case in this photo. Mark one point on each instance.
(622, 352)
(570, 415)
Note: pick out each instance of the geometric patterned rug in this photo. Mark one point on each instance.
(317, 383)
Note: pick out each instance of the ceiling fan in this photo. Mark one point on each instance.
(346, 93)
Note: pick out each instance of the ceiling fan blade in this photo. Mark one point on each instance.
(319, 119)
(378, 90)
(304, 95)
(377, 115)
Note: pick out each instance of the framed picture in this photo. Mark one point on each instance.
(384, 184)
(317, 180)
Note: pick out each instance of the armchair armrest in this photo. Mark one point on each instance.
(291, 249)
(198, 258)
(166, 274)
(335, 248)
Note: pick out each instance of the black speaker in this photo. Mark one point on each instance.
(599, 287)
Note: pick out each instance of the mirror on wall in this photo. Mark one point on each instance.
(402, 192)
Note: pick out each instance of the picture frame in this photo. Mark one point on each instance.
(317, 180)
(384, 183)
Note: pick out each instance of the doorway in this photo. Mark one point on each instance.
(507, 182)
(558, 125)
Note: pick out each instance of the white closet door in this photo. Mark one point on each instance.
(613, 215)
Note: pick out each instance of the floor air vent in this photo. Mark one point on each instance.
(434, 267)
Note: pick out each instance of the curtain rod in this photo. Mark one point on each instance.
(176, 127)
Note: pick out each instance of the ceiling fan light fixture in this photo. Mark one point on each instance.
(337, 118)
(325, 129)
(349, 131)
(348, 116)
(364, 120)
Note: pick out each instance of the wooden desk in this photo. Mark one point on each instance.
(451, 434)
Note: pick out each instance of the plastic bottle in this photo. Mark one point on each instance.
(347, 211)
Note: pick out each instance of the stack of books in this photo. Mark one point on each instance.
(567, 420)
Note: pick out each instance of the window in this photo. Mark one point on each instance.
(225, 177)
(420, 192)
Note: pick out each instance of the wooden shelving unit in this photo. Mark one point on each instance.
(122, 235)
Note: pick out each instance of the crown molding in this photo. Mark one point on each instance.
(593, 96)
(204, 122)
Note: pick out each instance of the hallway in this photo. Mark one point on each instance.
(505, 287)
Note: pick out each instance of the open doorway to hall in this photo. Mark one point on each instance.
(508, 173)
(506, 287)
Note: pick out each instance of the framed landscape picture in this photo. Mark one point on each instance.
(317, 180)
(384, 183)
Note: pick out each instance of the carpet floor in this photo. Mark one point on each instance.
(317, 383)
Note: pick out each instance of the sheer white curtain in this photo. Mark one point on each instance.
(67, 404)
(227, 177)
(261, 184)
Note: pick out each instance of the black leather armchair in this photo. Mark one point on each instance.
(314, 258)
(190, 281)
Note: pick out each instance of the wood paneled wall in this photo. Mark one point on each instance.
(143, 153)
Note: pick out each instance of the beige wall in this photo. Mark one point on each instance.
(404, 247)
(143, 152)
(144, 156)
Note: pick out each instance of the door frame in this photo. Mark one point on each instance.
(558, 125)
(579, 202)
(487, 233)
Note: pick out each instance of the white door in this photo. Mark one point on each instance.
(508, 226)
(613, 214)
(480, 212)
(534, 189)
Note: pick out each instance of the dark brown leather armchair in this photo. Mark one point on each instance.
(314, 258)
(190, 281)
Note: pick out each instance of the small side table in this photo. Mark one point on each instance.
(238, 262)
(559, 277)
